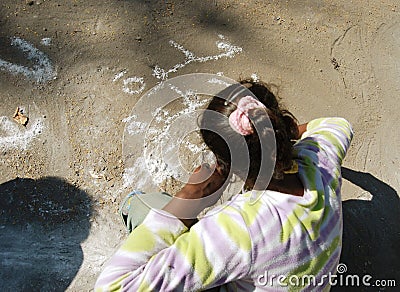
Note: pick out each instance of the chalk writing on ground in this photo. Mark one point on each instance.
(42, 69)
(163, 126)
(228, 51)
(14, 136)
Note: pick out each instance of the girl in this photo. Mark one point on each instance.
(284, 233)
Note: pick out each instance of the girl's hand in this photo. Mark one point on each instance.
(204, 188)
(204, 181)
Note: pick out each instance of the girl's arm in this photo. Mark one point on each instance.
(162, 254)
(333, 135)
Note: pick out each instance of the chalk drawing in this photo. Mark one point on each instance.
(129, 81)
(157, 163)
(254, 77)
(42, 70)
(136, 176)
(132, 80)
(229, 51)
(194, 148)
(190, 100)
(150, 167)
(46, 41)
(119, 75)
(14, 136)
(192, 103)
(135, 127)
(153, 143)
(218, 81)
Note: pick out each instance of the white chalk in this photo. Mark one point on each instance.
(136, 176)
(145, 172)
(151, 165)
(13, 136)
(132, 80)
(254, 77)
(194, 148)
(119, 75)
(229, 51)
(46, 41)
(135, 127)
(219, 81)
(190, 99)
(128, 119)
(42, 70)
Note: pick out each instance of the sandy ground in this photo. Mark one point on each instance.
(77, 69)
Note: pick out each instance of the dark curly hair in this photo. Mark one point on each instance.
(270, 123)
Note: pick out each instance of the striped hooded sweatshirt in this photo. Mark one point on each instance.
(258, 241)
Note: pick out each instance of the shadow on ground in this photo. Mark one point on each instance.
(42, 224)
(371, 230)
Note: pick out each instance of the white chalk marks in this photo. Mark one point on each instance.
(149, 167)
(42, 70)
(132, 85)
(227, 51)
(14, 136)
(135, 127)
(161, 143)
(152, 141)
(46, 41)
